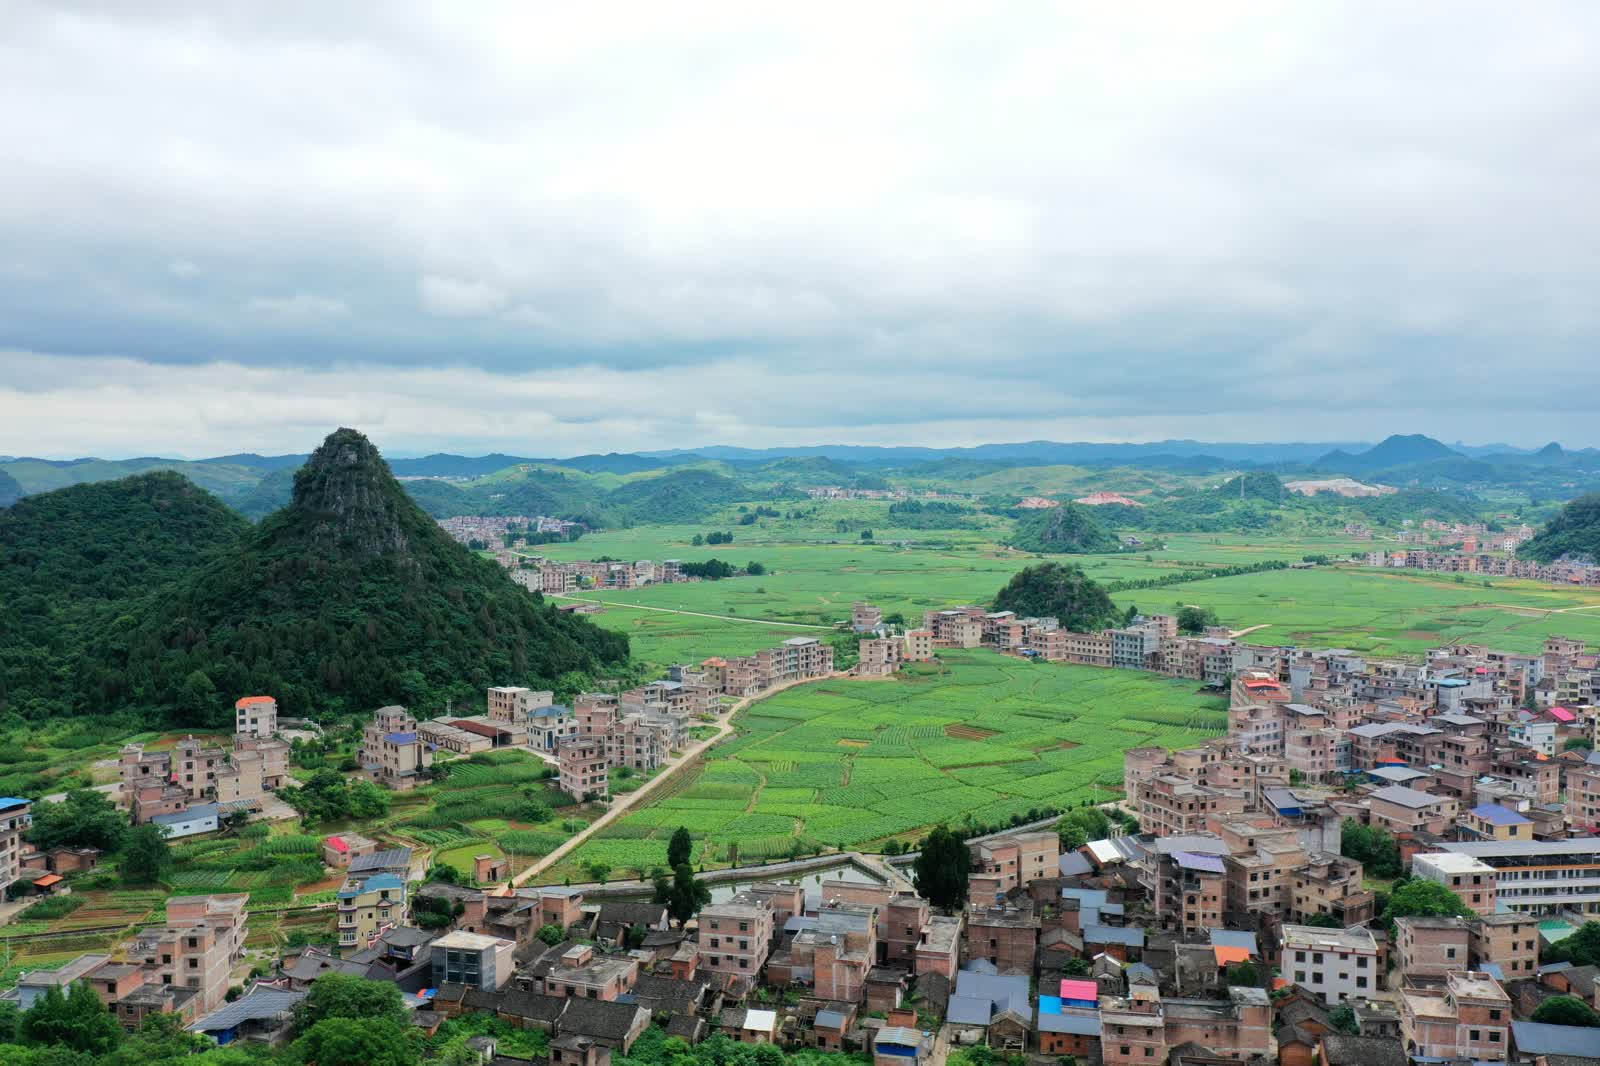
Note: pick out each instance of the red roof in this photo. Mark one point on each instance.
(1260, 682)
(481, 728)
(47, 880)
(248, 700)
(338, 844)
(1561, 714)
(1079, 989)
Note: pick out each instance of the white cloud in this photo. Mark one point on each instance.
(1071, 201)
(297, 307)
(459, 297)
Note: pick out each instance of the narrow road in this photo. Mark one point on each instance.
(1247, 629)
(622, 804)
(691, 614)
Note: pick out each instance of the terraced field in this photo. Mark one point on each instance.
(856, 763)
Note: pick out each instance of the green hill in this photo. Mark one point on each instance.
(10, 489)
(1061, 591)
(1071, 528)
(1574, 531)
(681, 496)
(349, 598)
(77, 564)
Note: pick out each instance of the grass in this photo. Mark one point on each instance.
(786, 777)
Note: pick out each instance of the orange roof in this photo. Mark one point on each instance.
(248, 700)
(47, 880)
(1227, 956)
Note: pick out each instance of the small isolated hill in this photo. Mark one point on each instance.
(1574, 531)
(1398, 450)
(1060, 590)
(681, 496)
(1071, 528)
(349, 598)
(1254, 485)
(78, 564)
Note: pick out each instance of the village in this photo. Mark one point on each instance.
(1224, 916)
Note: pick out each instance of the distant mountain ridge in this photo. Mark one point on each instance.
(1398, 450)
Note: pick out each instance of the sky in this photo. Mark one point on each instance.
(570, 228)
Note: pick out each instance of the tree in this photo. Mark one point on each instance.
(1243, 975)
(686, 895)
(1567, 1010)
(1195, 619)
(75, 1019)
(1323, 921)
(552, 934)
(145, 857)
(1582, 948)
(680, 848)
(1076, 828)
(344, 1041)
(754, 569)
(1576, 744)
(338, 995)
(1343, 1019)
(85, 819)
(940, 870)
(598, 870)
(866, 534)
(1059, 591)
(1424, 899)
(1076, 968)
(697, 540)
(1372, 846)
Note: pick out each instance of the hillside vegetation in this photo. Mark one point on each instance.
(1574, 531)
(349, 598)
(76, 565)
(1070, 528)
(1060, 591)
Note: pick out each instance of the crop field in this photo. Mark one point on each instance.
(856, 763)
(1386, 612)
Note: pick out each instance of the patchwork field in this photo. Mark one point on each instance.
(856, 763)
(1386, 613)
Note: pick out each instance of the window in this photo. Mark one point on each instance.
(1475, 1035)
(1361, 982)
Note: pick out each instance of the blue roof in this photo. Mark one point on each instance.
(1234, 938)
(1492, 969)
(1053, 1020)
(400, 738)
(1495, 814)
(1188, 860)
(553, 710)
(832, 1019)
(199, 810)
(1540, 1038)
(1113, 934)
(8, 802)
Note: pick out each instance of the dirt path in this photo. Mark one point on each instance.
(1247, 629)
(622, 804)
(691, 614)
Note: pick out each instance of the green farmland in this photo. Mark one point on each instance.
(856, 763)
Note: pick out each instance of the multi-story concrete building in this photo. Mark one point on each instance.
(1430, 946)
(1170, 805)
(1472, 880)
(735, 937)
(583, 767)
(880, 656)
(462, 958)
(1185, 880)
(16, 815)
(1509, 940)
(369, 905)
(196, 949)
(1146, 1027)
(1539, 876)
(1469, 1019)
(1017, 858)
(1583, 795)
(511, 703)
(1336, 964)
(548, 726)
(1405, 810)
(391, 753)
(1003, 932)
(919, 646)
(864, 617)
(255, 716)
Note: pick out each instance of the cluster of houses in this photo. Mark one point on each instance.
(491, 529)
(561, 578)
(1469, 560)
(191, 787)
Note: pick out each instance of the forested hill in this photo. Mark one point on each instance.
(76, 565)
(349, 598)
(1071, 528)
(1574, 531)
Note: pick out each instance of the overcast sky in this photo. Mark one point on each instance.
(565, 228)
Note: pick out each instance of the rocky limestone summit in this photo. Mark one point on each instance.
(346, 499)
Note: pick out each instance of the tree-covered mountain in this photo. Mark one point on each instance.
(79, 564)
(1061, 591)
(681, 496)
(1401, 449)
(1070, 528)
(10, 489)
(1574, 531)
(349, 598)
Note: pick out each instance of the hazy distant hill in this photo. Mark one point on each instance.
(1398, 450)
(10, 489)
